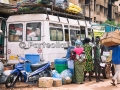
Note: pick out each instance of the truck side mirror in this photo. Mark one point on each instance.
(1, 32)
(92, 39)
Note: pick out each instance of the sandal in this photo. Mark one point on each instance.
(113, 84)
(81, 83)
(101, 80)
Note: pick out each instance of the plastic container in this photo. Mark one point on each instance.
(60, 64)
(61, 68)
(33, 58)
(60, 61)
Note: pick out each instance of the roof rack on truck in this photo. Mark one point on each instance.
(30, 8)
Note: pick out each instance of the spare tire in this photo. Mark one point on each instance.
(106, 71)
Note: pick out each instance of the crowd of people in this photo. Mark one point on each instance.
(87, 58)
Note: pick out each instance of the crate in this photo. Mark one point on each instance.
(33, 58)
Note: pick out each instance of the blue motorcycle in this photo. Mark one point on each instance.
(38, 70)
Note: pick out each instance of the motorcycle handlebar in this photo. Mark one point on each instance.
(25, 59)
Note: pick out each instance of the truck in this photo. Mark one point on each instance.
(47, 35)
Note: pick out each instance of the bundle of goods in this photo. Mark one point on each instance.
(30, 9)
(44, 1)
(111, 38)
(47, 82)
(73, 8)
(61, 4)
(65, 77)
(57, 82)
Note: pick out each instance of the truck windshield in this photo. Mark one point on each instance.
(73, 34)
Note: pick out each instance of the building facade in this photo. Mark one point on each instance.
(117, 3)
(99, 10)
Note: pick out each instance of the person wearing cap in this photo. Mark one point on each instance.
(78, 65)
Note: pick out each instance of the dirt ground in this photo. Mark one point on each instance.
(86, 86)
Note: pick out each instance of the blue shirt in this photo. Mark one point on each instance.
(115, 54)
(68, 52)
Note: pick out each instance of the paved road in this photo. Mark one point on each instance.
(86, 86)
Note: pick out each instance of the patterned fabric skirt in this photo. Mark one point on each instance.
(89, 65)
(78, 71)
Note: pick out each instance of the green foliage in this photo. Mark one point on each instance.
(118, 25)
(112, 23)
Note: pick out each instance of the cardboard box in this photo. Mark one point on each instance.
(111, 39)
(57, 83)
(16, 38)
(45, 82)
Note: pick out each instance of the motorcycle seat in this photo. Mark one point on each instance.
(37, 66)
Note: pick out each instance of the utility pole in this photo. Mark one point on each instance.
(89, 11)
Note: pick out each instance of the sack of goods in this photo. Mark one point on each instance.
(43, 1)
(111, 38)
(66, 76)
(73, 8)
(81, 57)
(61, 4)
(45, 82)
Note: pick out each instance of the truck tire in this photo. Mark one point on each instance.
(106, 72)
(113, 70)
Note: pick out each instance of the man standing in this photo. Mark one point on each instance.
(116, 62)
(68, 56)
(98, 51)
(78, 40)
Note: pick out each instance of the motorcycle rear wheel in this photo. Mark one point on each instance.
(47, 73)
(12, 79)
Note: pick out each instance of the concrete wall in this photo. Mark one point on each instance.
(99, 12)
(117, 3)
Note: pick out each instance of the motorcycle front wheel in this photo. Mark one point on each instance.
(11, 80)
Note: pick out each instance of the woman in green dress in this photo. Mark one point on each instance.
(88, 55)
(78, 65)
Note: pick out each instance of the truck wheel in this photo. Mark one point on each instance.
(106, 72)
(113, 70)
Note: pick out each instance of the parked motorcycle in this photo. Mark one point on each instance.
(38, 70)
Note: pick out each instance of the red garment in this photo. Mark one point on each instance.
(78, 50)
(72, 56)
